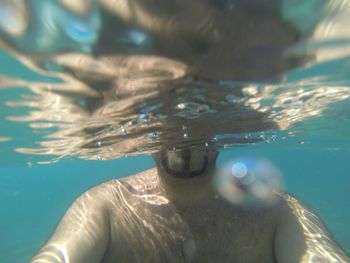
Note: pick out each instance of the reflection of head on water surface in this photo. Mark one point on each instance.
(149, 73)
(232, 40)
(240, 40)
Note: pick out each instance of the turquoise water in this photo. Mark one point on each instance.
(72, 109)
(34, 199)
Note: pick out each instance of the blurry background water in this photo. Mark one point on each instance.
(83, 83)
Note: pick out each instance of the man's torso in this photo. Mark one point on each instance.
(146, 227)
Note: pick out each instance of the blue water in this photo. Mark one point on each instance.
(34, 199)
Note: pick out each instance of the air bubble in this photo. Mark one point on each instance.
(123, 131)
(271, 139)
(153, 135)
(143, 117)
(239, 169)
(249, 181)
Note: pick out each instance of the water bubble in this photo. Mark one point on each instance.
(239, 169)
(184, 128)
(143, 117)
(98, 143)
(249, 181)
(123, 131)
(271, 139)
(153, 135)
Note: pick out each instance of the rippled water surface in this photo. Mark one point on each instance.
(103, 79)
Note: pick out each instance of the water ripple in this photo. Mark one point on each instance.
(133, 77)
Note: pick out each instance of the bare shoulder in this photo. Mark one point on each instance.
(145, 177)
(301, 236)
(146, 181)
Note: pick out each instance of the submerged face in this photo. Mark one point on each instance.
(186, 163)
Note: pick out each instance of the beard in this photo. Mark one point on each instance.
(186, 163)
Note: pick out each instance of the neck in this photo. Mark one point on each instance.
(186, 175)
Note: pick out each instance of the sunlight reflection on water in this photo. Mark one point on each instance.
(132, 73)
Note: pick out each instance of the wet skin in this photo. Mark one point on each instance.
(173, 214)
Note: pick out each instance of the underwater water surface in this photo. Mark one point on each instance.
(90, 89)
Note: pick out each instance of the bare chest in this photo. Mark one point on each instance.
(160, 233)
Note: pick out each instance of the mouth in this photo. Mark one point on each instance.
(184, 163)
